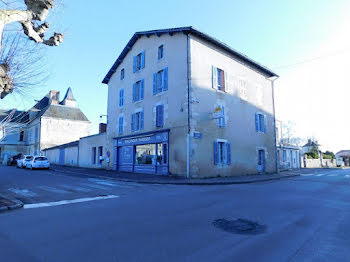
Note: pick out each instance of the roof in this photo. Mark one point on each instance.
(69, 95)
(343, 153)
(185, 30)
(311, 143)
(18, 117)
(64, 112)
(71, 144)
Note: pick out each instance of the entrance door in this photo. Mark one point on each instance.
(62, 156)
(261, 161)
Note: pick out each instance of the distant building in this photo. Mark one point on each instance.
(311, 144)
(50, 122)
(343, 158)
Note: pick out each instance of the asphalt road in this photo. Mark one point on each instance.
(306, 218)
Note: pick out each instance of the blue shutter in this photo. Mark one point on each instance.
(132, 122)
(160, 115)
(214, 77)
(142, 89)
(141, 120)
(228, 153)
(121, 125)
(216, 153)
(265, 123)
(154, 83)
(142, 59)
(134, 65)
(225, 86)
(121, 97)
(134, 92)
(256, 122)
(165, 79)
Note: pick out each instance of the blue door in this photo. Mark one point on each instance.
(62, 156)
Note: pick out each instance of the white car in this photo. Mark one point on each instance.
(38, 162)
(21, 161)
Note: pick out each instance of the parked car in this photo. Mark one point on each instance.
(38, 162)
(21, 163)
(12, 161)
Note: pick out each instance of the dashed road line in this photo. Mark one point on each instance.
(22, 192)
(53, 189)
(67, 202)
(320, 175)
(96, 186)
(76, 188)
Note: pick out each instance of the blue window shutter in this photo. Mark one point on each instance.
(225, 86)
(161, 117)
(157, 116)
(141, 120)
(142, 89)
(228, 153)
(214, 77)
(143, 59)
(165, 79)
(216, 153)
(133, 122)
(122, 97)
(256, 122)
(154, 83)
(134, 65)
(265, 123)
(134, 92)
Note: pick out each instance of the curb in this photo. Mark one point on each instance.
(181, 183)
(17, 204)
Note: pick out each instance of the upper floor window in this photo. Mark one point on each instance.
(160, 81)
(121, 97)
(139, 62)
(243, 92)
(160, 52)
(122, 74)
(137, 121)
(219, 79)
(260, 123)
(160, 116)
(121, 125)
(21, 136)
(222, 153)
(138, 91)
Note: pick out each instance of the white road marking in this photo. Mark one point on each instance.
(347, 176)
(67, 202)
(76, 188)
(54, 190)
(96, 186)
(308, 175)
(333, 175)
(107, 183)
(320, 175)
(23, 192)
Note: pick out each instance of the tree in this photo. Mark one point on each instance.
(11, 48)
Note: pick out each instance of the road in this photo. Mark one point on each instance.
(306, 218)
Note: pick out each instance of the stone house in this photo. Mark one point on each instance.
(182, 102)
(50, 122)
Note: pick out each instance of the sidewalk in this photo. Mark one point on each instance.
(172, 180)
(7, 204)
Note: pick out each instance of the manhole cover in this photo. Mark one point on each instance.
(240, 226)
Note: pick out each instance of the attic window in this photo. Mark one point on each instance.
(122, 74)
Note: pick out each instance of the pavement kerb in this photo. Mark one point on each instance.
(181, 183)
(17, 204)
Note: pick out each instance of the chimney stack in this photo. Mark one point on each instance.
(54, 97)
(102, 128)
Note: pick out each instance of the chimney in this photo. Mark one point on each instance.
(102, 128)
(54, 97)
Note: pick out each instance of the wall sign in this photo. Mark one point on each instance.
(147, 139)
(197, 135)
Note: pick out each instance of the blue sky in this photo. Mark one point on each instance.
(274, 33)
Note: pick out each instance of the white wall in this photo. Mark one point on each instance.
(85, 151)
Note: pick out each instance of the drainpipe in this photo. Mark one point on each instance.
(273, 79)
(188, 107)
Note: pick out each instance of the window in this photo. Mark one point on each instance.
(221, 122)
(284, 156)
(121, 125)
(139, 62)
(100, 152)
(162, 153)
(160, 52)
(36, 133)
(159, 115)
(160, 81)
(122, 74)
(260, 123)
(121, 97)
(145, 154)
(93, 156)
(222, 153)
(137, 121)
(21, 136)
(243, 92)
(219, 78)
(138, 91)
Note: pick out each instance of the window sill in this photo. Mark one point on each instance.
(160, 93)
(137, 102)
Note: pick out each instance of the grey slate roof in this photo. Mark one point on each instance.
(69, 95)
(64, 112)
(186, 30)
(71, 144)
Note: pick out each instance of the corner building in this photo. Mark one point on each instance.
(181, 102)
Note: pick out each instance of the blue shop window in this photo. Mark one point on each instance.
(145, 154)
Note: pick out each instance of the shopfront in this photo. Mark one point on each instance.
(144, 153)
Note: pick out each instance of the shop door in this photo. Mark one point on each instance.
(125, 159)
(261, 161)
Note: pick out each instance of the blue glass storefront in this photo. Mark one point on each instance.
(143, 153)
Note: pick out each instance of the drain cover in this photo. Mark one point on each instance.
(240, 226)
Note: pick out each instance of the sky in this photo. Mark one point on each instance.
(307, 43)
